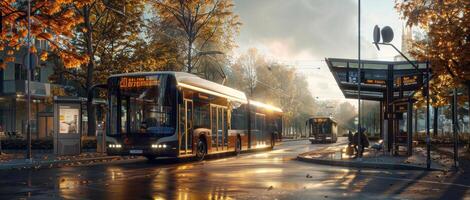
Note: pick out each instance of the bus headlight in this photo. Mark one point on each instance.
(328, 138)
(114, 146)
(158, 146)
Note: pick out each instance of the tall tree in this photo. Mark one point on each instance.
(109, 37)
(345, 114)
(274, 84)
(51, 20)
(201, 22)
(446, 44)
(245, 69)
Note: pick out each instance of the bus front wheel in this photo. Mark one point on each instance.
(201, 149)
(150, 158)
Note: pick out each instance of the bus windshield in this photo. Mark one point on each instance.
(142, 105)
(321, 127)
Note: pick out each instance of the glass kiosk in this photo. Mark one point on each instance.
(67, 125)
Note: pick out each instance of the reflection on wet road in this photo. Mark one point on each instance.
(263, 175)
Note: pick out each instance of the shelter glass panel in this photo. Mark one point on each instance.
(339, 64)
(374, 66)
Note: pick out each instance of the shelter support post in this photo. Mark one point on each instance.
(381, 125)
(409, 126)
(389, 109)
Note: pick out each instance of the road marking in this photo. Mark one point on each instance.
(389, 178)
(414, 180)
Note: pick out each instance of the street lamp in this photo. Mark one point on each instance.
(28, 55)
(359, 73)
(387, 37)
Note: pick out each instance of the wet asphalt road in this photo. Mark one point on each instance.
(262, 175)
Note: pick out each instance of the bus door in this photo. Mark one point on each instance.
(219, 133)
(186, 128)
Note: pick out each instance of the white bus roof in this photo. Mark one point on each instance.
(265, 106)
(193, 82)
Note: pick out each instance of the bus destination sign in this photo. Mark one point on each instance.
(407, 80)
(375, 82)
(138, 82)
(410, 80)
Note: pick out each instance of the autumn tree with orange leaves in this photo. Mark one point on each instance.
(446, 44)
(109, 36)
(51, 20)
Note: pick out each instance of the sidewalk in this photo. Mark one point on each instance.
(292, 140)
(336, 156)
(48, 160)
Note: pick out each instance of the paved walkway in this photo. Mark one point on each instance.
(45, 158)
(16, 160)
(335, 155)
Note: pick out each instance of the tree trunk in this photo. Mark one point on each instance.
(416, 124)
(190, 45)
(90, 70)
(436, 118)
(468, 95)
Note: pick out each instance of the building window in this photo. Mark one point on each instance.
(20, 72)
(37, 74)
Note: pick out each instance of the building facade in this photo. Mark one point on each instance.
(13, 98)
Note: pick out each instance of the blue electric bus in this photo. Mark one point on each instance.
(177, 114)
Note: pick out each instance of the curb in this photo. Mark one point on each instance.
(58, 163)
(364, 164)
(293, 140)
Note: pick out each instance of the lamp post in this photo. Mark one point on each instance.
(358, 79)
(387, 37)
(28, 56)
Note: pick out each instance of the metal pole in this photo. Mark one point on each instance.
(359, 73)
(428, 136)
(409, 126)
(28, 124)
(455, 129)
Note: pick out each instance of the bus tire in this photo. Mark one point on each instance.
(238, 146)
(150, 157)
(273, 141)
(201, 149)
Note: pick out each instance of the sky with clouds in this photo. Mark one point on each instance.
(301, 33)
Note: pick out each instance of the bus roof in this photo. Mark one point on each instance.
(193, 82)
(265, 106)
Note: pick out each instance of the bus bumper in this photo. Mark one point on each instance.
(150, 150)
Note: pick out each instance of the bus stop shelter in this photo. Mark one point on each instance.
(392, 83)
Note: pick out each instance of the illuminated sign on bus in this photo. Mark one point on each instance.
(137, 82)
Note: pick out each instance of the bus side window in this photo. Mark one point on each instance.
(238, 119)
(201, 115)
